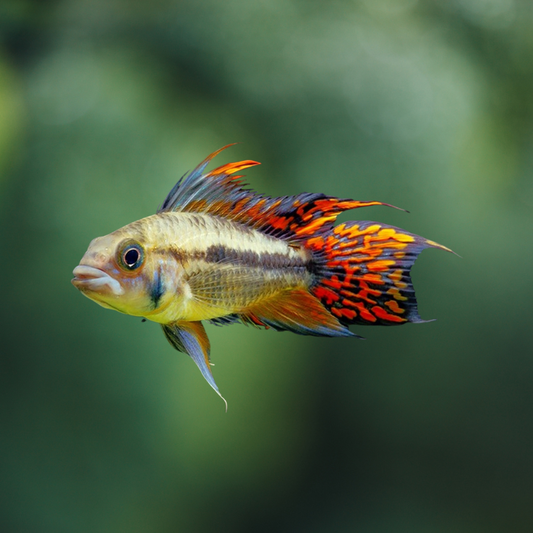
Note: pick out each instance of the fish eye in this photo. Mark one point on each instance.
(130, 256)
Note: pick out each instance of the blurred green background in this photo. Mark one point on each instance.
(423, 104)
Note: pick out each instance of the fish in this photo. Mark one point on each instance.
(217, 251)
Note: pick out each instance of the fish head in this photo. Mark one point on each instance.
(119, 271)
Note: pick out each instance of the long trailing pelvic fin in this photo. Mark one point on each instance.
(191, 338)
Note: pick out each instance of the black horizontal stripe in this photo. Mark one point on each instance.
(219, 253)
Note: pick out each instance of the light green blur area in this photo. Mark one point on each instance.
(424, 428)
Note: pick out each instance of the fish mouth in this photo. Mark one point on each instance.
(87, 278)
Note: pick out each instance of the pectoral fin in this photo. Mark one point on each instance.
(191, 338)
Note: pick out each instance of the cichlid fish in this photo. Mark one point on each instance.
(219, 252)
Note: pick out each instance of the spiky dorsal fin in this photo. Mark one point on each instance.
(197, 191)
(222, 193)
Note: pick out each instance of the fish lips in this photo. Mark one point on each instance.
(91, 279)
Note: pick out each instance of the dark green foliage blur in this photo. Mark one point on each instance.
(424, 104)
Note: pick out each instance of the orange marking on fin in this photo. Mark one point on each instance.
(363, 295)
(336, 311)
(380, 266)
(350, 314)
(395, 293)
(341, 254)
(325, 294)
(402, 237)
(348, 244)
(339, 229)
(381, 313)
(396, 278)
(231, 168)
(325, 204)
(197, 205)
(389, 244)
(365, 313)
(316, 242)
(399, 255)
(314, 225)
(254, 211)
(386, 233)
(239, 206)
(348, 303)
(396, 275)
(350, 273)
(332, 282)
(394, 307)
(256, 321)
(280, 222)
(354, 204)
(372, 252)
(373, 292)
(354, 231)
(373, 278)
(369, 230)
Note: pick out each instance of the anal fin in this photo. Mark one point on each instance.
(191, 338)
(297, 311)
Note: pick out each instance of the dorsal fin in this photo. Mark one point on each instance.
(196, 190)
(222, 193)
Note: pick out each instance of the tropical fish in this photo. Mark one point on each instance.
(219, 252)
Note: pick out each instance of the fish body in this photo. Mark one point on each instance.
(197, 267)
(219, 252)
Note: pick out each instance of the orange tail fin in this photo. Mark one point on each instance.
(363, 272)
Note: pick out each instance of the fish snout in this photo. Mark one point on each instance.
(87, 278)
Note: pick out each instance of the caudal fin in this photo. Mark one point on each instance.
(363, 272)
